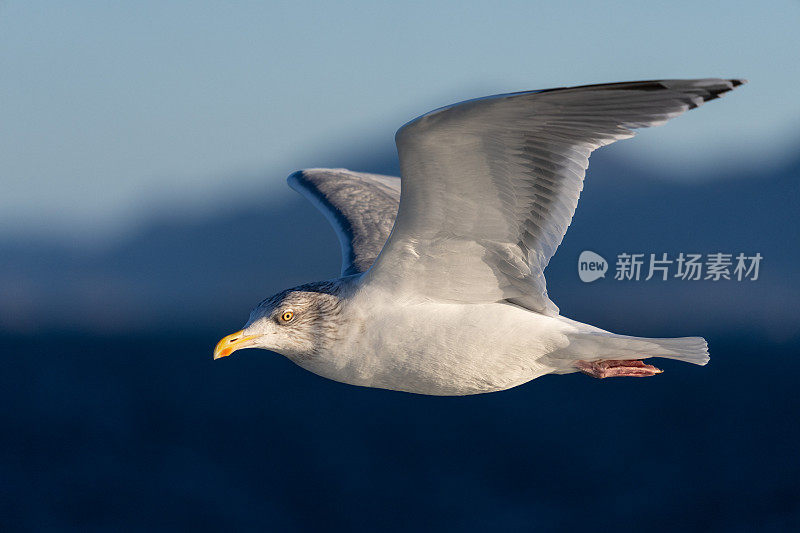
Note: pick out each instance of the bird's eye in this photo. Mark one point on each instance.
(287, 315)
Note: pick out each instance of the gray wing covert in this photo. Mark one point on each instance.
(361, 208)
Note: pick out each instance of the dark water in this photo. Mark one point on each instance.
(150, 433)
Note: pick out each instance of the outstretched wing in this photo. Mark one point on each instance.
(490, 185)
(360, 207)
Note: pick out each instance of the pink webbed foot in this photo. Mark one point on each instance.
(613, 368)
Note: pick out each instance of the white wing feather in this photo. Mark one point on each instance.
(489, 186)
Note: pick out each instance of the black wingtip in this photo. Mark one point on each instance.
(714, 93)
(655, 85)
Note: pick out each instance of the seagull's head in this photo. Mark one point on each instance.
(296, 322)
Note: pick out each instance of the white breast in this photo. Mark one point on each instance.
(440, 348)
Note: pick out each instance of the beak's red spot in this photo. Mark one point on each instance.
(225, 352)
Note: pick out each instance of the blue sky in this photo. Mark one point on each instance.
(111, 111)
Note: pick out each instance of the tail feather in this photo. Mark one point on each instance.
(603, 346)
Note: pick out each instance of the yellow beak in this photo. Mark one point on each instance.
(233, 342)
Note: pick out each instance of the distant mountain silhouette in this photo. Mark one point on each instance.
(210, 270)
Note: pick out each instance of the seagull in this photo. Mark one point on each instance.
(442, 290)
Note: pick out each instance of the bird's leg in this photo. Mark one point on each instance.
(612, 368)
